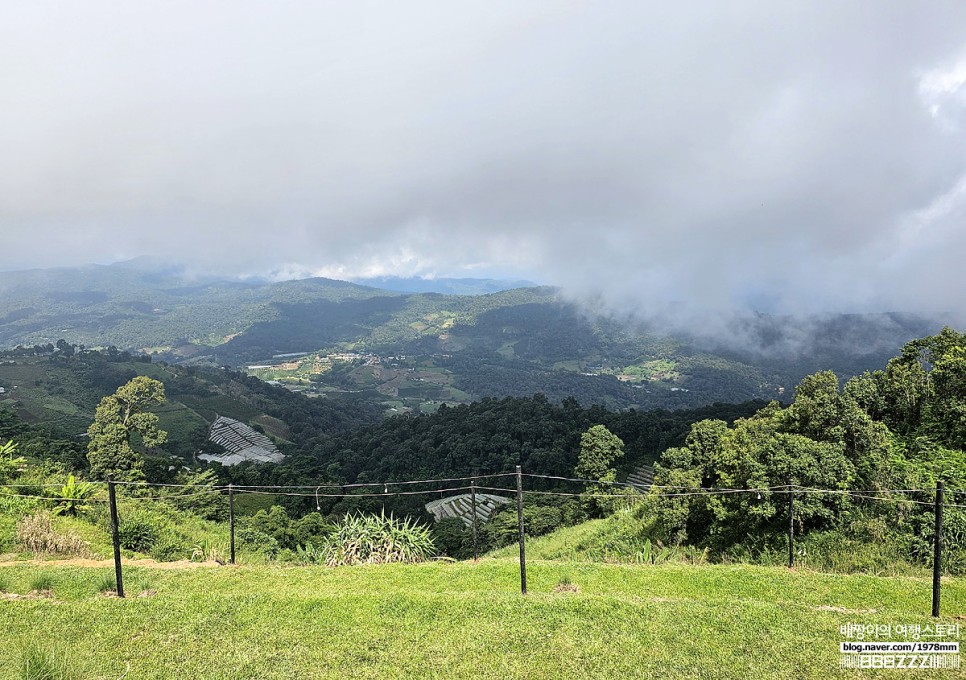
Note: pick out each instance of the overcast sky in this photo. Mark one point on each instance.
(793, 156)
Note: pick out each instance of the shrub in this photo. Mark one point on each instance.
(453, 538)
(257, 541)
(36, 534)
(503, 528)
(371, 539)
(309, 554)
(312, 528)
(139, 531)
(275, 523)
(168, 547)
(71, 499)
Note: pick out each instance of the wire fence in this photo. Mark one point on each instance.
(597, 489)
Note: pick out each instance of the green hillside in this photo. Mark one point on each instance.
(59, 395)
(412, 352)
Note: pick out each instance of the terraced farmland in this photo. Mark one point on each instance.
(461, 506)
(641, 478)
(241, 443)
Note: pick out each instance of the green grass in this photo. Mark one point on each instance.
(179, 421)
(461, 620)
(45, 662)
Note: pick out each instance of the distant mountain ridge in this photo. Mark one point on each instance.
(444, 286)
(415, 351)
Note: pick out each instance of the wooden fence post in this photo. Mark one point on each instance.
(791, 527)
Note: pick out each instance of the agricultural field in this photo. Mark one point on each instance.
(461, 506)
(400, 384)
(453, 620)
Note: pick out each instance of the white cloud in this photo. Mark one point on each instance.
(756, 153)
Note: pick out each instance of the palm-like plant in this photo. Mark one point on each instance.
(8, 464)
(370, 539)
(73, 497)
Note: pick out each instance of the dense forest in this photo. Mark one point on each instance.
(862, 460)
(490, 436)
(54, 391)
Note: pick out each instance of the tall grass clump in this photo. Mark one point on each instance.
(373, 539)
(36, 534)
(45, 664)
(107, 584)
(42, 583)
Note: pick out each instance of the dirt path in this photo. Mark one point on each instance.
(84, 562)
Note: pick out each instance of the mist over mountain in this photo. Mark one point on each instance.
(414, 351)
(445, 286)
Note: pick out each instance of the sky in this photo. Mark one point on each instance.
(782, 156)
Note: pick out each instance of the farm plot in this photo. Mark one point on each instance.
(461, 506)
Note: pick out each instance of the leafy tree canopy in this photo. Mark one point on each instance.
(117, 419)
(599, 447)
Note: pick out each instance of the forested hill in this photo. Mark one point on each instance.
(55, 395)
(48, 401)
(413, 352)
(490, 436)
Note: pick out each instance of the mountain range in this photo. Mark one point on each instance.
(412, 351)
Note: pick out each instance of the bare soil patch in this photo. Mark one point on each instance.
(87, 562)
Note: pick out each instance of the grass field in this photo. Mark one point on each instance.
(457, 620)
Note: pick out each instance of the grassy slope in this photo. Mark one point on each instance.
(459, 620)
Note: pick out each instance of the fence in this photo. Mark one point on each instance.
(470, 484)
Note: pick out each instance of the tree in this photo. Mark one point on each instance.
(119, 417)
(599, 447)
(66, 349)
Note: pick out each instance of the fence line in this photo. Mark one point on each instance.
(276, 490)
(791, 490)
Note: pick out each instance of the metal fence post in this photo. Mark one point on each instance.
(523, 554)
(791, 527)
(231, 522)
(115, 537)
(937, 557)
(476, 549)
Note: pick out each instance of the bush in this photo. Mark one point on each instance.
(453, 538)
(921, 546)
(139, 531)
(503, 528)
(36, 534)
(312, 529)
(372, 539)
(275, 523)
(169, 546)
(257, 541)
